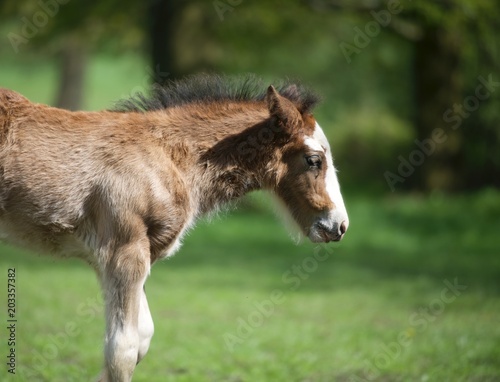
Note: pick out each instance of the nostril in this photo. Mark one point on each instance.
(343, 227)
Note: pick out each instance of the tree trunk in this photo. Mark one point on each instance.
(162, 17)
(438, 83)
(72, 65)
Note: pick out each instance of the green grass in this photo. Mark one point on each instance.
(368, 309)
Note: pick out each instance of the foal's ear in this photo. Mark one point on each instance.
(282, 110)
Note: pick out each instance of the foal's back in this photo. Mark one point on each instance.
(65, 172)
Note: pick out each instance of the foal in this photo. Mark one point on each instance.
(120, 188)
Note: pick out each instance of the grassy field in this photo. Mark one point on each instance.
(411, 294)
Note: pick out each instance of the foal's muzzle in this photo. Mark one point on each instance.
(320, 232)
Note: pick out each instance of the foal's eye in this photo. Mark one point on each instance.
(314, 161)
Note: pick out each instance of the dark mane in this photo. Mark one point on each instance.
(204, 88)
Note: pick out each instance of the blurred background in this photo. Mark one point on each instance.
(411, 101)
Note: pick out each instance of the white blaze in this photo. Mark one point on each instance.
(319, 142)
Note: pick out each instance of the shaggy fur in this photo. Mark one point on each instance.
(206, 89)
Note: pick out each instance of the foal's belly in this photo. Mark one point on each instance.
(65, 245)
(41, 241)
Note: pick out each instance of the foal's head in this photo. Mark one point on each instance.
(306, 180)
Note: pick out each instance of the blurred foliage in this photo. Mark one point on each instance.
(109, 25)
(371, 111)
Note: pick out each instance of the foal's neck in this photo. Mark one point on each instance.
(233, 148)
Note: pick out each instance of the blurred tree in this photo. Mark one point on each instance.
(446, 77)
(163, 16)
(112, 25)
(72, 61)
(448, 36)
(68, 30)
